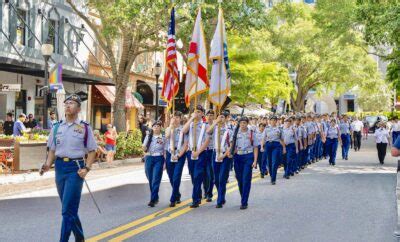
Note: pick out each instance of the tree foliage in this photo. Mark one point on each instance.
(253, 80)
(321, 60)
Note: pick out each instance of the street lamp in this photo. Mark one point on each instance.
(157, 73)
(47, 50)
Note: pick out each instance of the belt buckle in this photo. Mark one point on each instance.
(65, 159)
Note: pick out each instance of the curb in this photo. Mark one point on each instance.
(397, 231)
(118, 163)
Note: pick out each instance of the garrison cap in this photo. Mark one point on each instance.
(244, 118)
(74, 97)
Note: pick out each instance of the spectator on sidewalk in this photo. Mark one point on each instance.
(19, 127)
(357, 127)
(111, 143)
(8, 124)
(101, 151)
(143, 126)
(382, 137)
(366, 129)
(30, 122)
(52, 120)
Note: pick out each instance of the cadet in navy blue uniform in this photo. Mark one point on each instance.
(176, 146)
(245, 159)
(332, 138)
(222, 134)
(275, 147)
(154, 146)
(198, 143)
(208, 183)
(325, 124)
(345, 130)
(299, 142)
(289, 138)
(68, 143)
(260, 159)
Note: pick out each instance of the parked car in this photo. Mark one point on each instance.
(373, 120)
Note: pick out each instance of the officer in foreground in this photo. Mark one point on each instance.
(69, 141)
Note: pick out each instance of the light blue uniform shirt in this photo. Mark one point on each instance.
(273, 134)
(246, 141)
(289, 135)
(176, 135)
(259, 136)
(157, 144)
(332, 132)
(198, 133)
(229, 135)
(344, 127)
(70, 140)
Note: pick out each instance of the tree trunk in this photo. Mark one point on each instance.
(119, 111)
(298, 102)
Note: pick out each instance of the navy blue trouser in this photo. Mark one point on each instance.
(274, 155)
(331, 148)
(154, 169)
(208, 183)
(345, 145)
(243, 170)
(264, 158)
(261, 161)
(199, 166)
(221, 175)
(290, 159)
(395, 134)
(311, 154)
(174, 171)
(69, 188)
(318, 147)
(190, 164)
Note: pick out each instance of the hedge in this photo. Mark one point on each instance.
(129, 144)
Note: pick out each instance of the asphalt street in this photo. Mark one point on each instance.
(353, 201)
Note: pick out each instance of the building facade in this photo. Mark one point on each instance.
(25, 26)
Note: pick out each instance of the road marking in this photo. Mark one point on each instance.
(147, 218)
(162, 220)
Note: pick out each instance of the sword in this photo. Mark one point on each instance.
(90, 192)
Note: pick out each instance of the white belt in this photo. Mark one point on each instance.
(244, 152)
(155, 154)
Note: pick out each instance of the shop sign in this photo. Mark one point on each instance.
(10, 87)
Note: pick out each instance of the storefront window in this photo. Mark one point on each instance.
(53, 30)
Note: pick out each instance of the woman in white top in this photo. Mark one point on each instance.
(382, 137)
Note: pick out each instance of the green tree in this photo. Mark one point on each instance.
(320, 61)
(139, 26)
(253, 80)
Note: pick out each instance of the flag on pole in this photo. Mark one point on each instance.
(196, 76)
(171, 79)
(220, 83)
(55, 78)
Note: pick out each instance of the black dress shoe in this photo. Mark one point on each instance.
(218, 206)
(151, 204)
(223, 203)
(243, 207)
(172, 204)
(262, 175)
(209, 199)
(297, 172)
(266, 173)
(194, 205)
(156, 201)
(346, 158)
(273, 183)
(178, 201)
(287, 177)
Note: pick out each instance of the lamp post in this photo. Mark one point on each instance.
(157, 73)
(47, 50)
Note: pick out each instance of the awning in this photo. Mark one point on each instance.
(109, 94)
(34, 69)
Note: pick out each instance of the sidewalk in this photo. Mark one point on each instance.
(31, 181)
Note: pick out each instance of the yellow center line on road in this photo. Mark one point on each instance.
(164, 219)
(147, 218)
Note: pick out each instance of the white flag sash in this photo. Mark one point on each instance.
(223, 142)
(200, 139)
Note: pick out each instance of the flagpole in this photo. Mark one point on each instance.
(219, 82)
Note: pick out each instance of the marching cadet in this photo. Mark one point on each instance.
(382, 138)
(221, 160)
(332, 138)
(325, 125)
(274, 148)
(154, 146)
(208, 183)
(176, 146)
(68, 143)
(345, 129)
(261, 164)
(245, 159)
(318, 138)
(198, 143)
(305, 142)
(290, 138)
(299, 141)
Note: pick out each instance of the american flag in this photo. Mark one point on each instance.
(171, 78)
